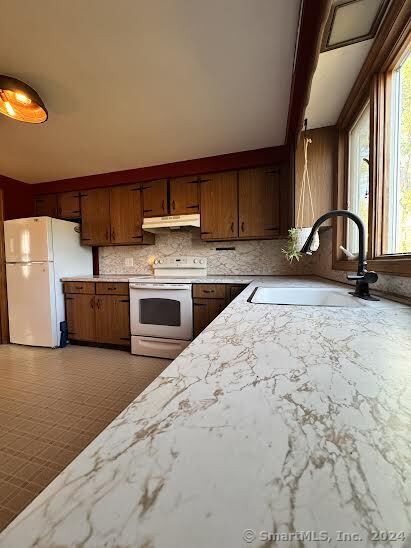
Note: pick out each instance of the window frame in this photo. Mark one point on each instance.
(374, 85)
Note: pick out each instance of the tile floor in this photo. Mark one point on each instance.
(52, 404)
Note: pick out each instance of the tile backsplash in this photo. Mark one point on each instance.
(261, 257)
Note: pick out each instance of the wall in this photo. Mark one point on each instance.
(321, 162)
(395, 285)
(262, 257)
(18, 198)
(199, 166)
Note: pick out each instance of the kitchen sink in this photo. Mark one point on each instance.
(305, 296)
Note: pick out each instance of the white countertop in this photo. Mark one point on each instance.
(276, 418)
(211, 279)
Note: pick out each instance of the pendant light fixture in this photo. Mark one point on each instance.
(20, 102)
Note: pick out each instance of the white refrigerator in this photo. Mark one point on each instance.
(39, 252)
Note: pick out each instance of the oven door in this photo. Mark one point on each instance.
(161, 310)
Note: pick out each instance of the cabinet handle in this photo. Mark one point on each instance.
(92, 303)
(173, 204)
(199, 304)
(232, 226)
(162, 205)
(111, 288)
(113, 234)
(107, 234)
(98, 303)
(86, 239)
(60, 210)
(204, 180)
(147, 210)
(271, 228)
(76, 211)
(79, 287)
(242, 226)
(193, 206)
(208, 290)
(205, 232)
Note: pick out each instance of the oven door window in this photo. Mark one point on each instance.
(160, 312)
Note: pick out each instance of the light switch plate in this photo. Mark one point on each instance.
(128, 261)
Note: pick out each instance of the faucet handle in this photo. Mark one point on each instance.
(367, 276)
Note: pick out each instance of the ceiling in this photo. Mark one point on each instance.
(333, 79)
(134, 83)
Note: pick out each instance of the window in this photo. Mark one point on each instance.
(373, 176)
(358, 175)
(398, 195)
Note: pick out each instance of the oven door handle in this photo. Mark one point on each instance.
(162, 287)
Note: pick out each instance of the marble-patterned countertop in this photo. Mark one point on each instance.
(144, 278)
(290, 420)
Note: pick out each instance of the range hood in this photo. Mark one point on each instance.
(170, 222)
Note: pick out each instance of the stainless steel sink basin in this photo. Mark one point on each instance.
(305, 296)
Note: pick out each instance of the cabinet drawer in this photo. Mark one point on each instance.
(107, 288)
(209, 291)
(87, 288)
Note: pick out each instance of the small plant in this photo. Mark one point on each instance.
(292, 251)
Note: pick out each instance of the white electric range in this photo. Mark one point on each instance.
(161, 314)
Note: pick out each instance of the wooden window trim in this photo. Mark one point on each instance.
(373, 84)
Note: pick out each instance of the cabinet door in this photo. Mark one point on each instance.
(205, 310)
(232, 291)
(259, 203)
(95, 215)
(80, 317)
(184, 196)
(68, 205)
(46, 205)
(113, 319)
(126, 214)
(155, 198)
(219, 206)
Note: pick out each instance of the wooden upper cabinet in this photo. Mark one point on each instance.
(259, 202)
(126, 214)
(155, 198)
(68, 205)
(46, 205)
(219, 206)
(184, 196)
(95, 214)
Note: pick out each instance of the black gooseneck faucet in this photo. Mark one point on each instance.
(363, 276)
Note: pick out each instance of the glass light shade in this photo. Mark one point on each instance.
(20, 102)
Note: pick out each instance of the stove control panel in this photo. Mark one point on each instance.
(180, 262)
(180, 266)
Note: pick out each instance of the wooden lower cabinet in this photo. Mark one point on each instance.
(98, 318)
(80, 317)
(113, 319)
(209, 300)
(205, 310)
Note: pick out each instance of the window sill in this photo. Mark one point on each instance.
(399, 265)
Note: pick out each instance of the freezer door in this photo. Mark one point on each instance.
(32, 304)
(28, 240)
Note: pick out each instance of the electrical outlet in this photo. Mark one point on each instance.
(128, 261)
